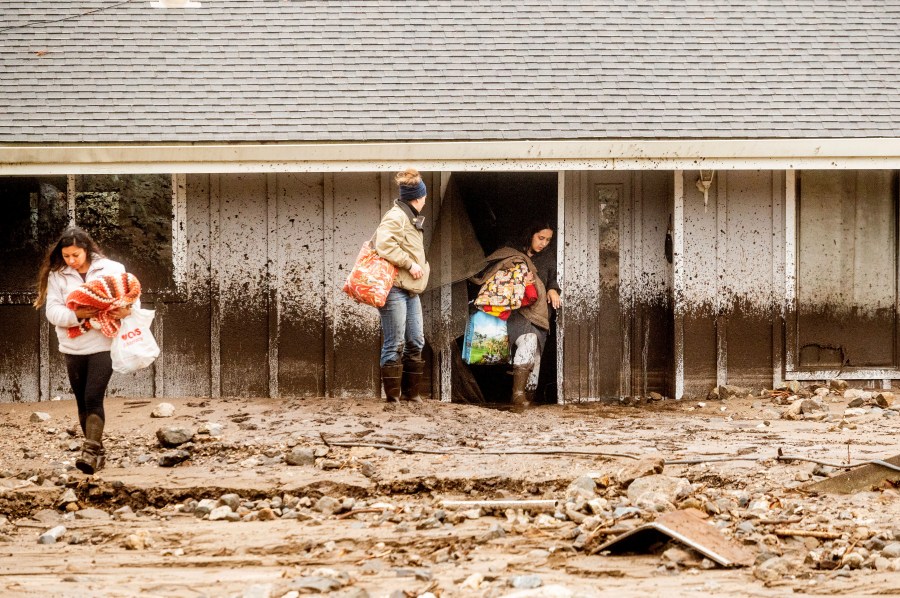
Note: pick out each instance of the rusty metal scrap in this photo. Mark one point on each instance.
(872, 474)
(689, 529)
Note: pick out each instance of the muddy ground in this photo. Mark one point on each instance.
(234, 519)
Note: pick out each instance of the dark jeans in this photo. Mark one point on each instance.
(89, 375)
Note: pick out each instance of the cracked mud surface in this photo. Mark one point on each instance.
(386, 529)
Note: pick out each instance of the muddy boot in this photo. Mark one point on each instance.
(412, 378)
(390, 379)
(519, 399)
(92, 458)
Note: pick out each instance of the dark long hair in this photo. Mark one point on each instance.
(54, 262)
(533, 228)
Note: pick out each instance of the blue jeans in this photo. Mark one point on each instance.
(401, 326)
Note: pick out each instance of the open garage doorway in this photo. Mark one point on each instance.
(501, 207)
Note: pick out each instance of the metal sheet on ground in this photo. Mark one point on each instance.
(688, 529)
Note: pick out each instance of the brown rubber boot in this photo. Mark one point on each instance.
(93, 457)
(412, 379)
(519, 399)
(390, 379)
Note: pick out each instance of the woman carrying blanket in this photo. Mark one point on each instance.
(72, 261)
(527, 326)
(399, 240)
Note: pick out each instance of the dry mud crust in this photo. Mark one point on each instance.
(178, 554)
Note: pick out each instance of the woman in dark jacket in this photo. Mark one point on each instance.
(527, 327)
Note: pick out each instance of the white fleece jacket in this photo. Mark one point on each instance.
(59, 285)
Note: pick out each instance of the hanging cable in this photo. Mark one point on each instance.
(75, 16)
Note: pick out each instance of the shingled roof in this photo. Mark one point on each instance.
(393, 70)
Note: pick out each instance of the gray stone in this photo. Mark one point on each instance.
(881, 563)
(366, 468)
(891, 551)
(300, 456)
(211, 429)
(671, 488)
(838, 385)
(729, 391)
(257, 591)
(679, 555)
(172, 436)
(93, 514)
(793, 411)
(526, 582)
(772, 569)
(857, 402)
(66, 497)
(39, 416)
(620, 512)
(220, 513)
(583, 487)
(205, 506)
(173, 458)
(47, 516)
(125, 513)
(654, 502)
(808, 406)
(633, 470)
(327, 505)
(163, 410)
(233, 501)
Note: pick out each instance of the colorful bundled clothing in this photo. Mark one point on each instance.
(104, 293)
(503, 290)
(505, 258)
(529, 296)
(62, 282)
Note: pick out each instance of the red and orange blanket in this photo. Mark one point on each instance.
(105, 293)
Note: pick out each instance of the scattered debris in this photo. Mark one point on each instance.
(864, 477)
(689, 528)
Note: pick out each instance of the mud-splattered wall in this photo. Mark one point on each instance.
(733, 252)
(847, 272)
(261, 312)
(616, 284)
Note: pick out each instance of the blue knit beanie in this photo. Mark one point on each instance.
(413, 192)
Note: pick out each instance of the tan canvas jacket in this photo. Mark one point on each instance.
(398, 241)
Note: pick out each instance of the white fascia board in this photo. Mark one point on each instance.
(737, 154)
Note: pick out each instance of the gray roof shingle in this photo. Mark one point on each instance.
(397, 70)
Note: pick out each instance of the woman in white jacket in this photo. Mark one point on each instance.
(72, 261)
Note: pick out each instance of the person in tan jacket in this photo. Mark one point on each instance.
(399, 240)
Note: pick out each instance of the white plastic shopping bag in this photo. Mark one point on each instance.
(134, 347)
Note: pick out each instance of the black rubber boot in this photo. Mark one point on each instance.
(519, 400)
(412, 379)
(390, 379)
(93, 457)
